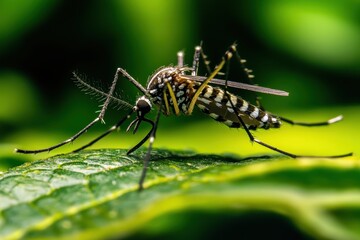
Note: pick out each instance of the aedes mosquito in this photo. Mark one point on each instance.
(177, 89)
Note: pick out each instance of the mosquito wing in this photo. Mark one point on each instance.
(240, 85)
(88, 88)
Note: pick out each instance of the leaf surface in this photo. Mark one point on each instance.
(93, 194)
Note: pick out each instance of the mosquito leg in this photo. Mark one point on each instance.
(205, 60)
(253, 139)
(328, 122)
(132, 80)
(60, 144)
(148, 153)
(196, 60)
(99, 118)
(249, 77)
(84, 86)
(227, 56)
(258, 103)
(109, 95)
(113, 128)
(248, 72)
(297, 156)
(180, 58)
(144, 139)
(108, 98)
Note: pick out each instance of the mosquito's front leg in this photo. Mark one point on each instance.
(100, 117)
(113, 128)
(132, 80)
(109, 95)
(60, 144)
(151, 136)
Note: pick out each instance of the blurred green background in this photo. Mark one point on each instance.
(308, 48)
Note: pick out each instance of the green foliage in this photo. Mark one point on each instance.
(307, 48)
(94, 194)
(323, 33)
(23, 104)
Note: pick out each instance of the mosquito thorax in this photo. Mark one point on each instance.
(182, 89)
(158, 80)
(143, 106)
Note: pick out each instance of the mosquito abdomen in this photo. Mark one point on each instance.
(214, 102)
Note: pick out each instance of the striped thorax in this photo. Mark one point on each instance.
(169, 86)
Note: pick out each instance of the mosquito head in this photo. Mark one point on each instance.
(143, 106)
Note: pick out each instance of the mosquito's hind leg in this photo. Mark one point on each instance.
(253, 139)
(314, 124)
(100, 117)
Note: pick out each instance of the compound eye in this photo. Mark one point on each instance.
(143, 105)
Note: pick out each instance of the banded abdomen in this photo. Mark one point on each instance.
(214, 102)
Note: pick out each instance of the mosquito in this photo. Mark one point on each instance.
(177, 90)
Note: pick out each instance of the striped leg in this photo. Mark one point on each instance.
(227, 56)
(196, 60)
(253, 139)
(249, 78)
(180, 57)
(247, 72)
(205, 60)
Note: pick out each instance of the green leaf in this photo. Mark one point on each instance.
(94, 195)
